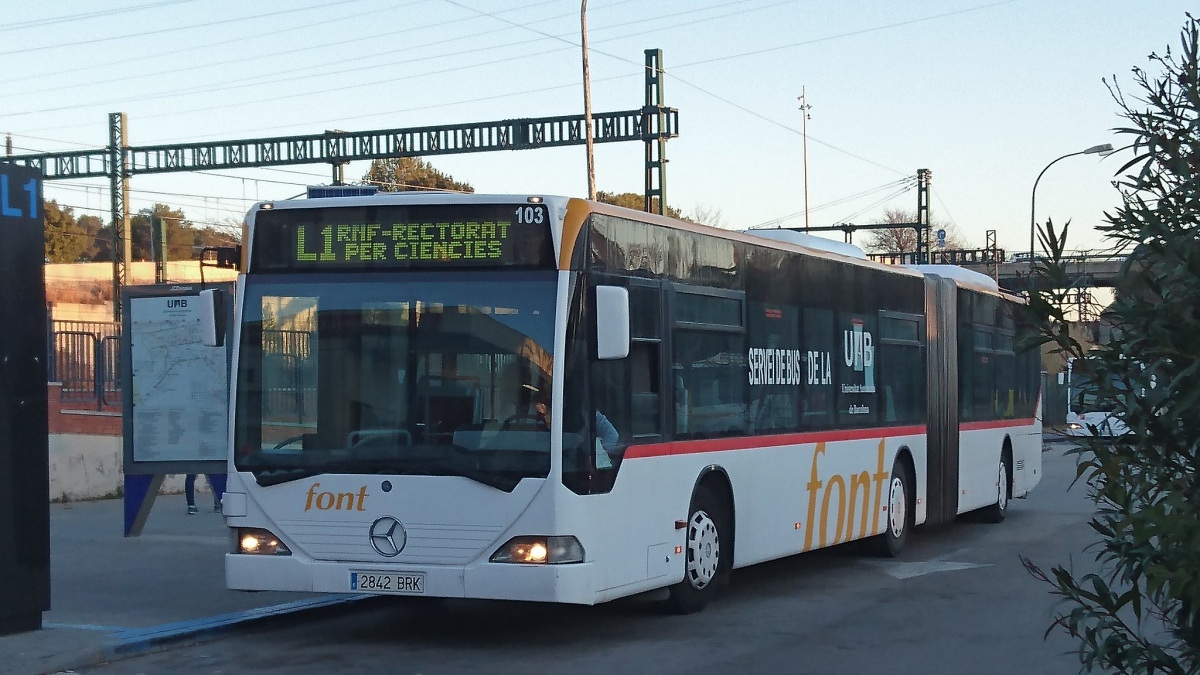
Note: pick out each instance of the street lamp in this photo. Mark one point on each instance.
(587, 103)
(1095, 149)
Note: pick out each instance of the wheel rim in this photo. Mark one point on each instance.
(897, 507)
(1002, 482)
(704, 550)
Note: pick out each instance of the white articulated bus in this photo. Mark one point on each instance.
(551, 399)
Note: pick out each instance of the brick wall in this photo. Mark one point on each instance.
(80, 418)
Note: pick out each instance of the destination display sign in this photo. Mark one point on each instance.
(391, 237)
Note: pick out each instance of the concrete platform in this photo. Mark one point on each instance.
(113, 596)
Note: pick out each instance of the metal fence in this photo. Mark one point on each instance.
(289, 376)
(976, 256)
(85, 356)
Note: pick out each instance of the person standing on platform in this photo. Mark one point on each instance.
(189, 491)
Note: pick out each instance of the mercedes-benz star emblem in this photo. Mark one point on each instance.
(388, 537)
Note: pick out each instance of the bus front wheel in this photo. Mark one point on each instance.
(706, 554)
(899, 514)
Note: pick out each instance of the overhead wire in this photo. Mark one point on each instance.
(855, 33)
(258, 81)
(477, 99)
(875, 204)
(953, 223)
(174, 29)
(480, 99)
(192, 48)
(67, 18)
(726, 57)
(836, 202)
(685, 82)
(209, 203)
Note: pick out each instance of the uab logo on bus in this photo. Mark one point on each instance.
(329, 501)
(858, 351)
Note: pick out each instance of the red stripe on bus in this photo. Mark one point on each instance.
(995, 424)
(752, 442)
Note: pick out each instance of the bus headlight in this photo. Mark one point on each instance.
(540, 551)
(1074, 426)
(257, 541)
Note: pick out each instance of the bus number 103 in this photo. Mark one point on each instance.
(530, 215)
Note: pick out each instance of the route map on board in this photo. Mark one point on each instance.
(180, 392)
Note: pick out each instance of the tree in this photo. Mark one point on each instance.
(904, 239)
(706, 215)
(184, 238)
(65, 239)
(93, 227)
(411, 173)
(180, 240)
(1140, 613)
(632, 200)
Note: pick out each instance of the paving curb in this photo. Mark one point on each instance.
(137, 641)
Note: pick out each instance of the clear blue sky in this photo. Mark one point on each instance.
(983, 93)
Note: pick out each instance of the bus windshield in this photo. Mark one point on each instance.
(418, 373)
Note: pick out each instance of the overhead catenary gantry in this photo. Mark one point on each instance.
(652, 124)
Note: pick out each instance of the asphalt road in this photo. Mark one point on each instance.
(958, 601)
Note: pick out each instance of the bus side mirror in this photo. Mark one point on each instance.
(1062, 378)
(212, 318)
(612, 322)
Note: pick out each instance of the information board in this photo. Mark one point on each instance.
(178, 388)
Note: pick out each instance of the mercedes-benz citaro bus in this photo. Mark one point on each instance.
(551, 399)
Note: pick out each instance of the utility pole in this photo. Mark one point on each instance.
(993, 255)
(924, 178)
(587, 105)
(158, 245)
(122, 243)
(656, 129)
(804, 116)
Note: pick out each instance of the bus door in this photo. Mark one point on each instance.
(941, 325)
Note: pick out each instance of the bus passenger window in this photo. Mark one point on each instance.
(711, 368)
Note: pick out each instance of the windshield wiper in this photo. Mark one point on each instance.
(267, 477)
(271, 475)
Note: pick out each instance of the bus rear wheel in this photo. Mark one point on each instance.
(899, 514)
(996, 512)
(706, 554)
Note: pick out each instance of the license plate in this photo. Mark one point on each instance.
(405, 583)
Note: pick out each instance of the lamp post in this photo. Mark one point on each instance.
(587, 104)
(1095, 149)
(804, 108)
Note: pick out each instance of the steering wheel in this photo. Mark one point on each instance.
(525, 419)
(288, 441)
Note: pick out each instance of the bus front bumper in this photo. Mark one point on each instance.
(571, 583)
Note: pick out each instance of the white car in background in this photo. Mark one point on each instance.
(1083, 412)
